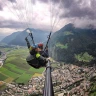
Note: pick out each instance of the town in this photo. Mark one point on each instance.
(68, 80)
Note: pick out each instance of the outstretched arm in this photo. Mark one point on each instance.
(28, 44)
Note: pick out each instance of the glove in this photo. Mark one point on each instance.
(26, 39)
(30, 34)
(48, 59)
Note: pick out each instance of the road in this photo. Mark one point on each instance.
(2, 58)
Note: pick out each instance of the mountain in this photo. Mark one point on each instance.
(73, 45)
(2, 37)
(18, 38)
(9, 38)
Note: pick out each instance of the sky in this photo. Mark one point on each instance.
(16, 15)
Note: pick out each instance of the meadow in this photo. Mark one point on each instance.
(16, 69)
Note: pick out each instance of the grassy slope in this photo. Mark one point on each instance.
(16, 69)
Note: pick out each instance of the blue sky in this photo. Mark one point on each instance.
(16, 15)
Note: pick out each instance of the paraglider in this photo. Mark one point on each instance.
(37, 56)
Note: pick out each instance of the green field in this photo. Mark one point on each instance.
(2, 77)
(85, 57)
(5, 49)
(62, 46)
(15, 67)
(24, 77)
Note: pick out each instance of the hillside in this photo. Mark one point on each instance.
(18, 38)
(9, 38)
(73, 45)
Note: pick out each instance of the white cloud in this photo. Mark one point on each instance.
(7, 31)
(37, 14)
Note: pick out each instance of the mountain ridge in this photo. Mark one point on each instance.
(18, 38)
(71, 44)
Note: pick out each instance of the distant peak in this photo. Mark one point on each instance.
(27, 29)
(69, 25)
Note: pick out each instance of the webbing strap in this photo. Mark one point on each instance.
(30, 48)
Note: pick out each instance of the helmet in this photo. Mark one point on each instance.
(34, 46)
(40, 45)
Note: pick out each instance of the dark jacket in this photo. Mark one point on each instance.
(36, 62)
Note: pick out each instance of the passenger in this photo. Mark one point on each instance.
(37, 57)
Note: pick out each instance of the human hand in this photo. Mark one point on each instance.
(48, 59)
(26, 39)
